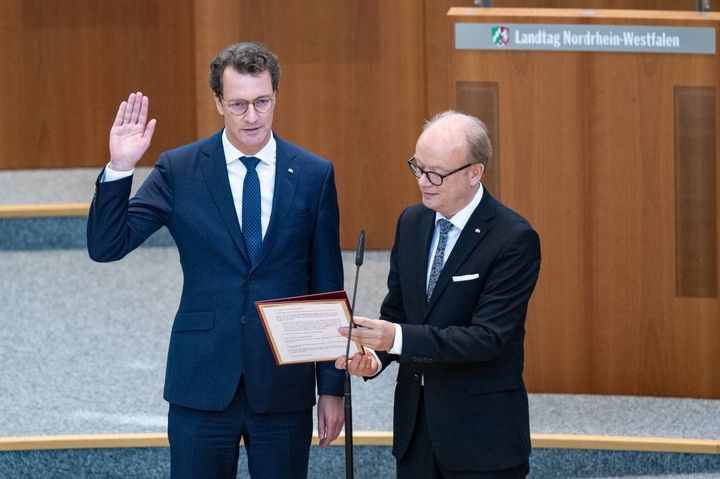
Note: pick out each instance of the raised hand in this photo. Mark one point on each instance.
(131, 133)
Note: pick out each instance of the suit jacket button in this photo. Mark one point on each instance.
(242, 320)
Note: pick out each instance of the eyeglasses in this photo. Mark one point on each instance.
(239, 107)
(433, 177)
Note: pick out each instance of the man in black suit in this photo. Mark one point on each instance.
(462, 270)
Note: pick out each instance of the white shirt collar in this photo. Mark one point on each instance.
(266, 155)
(460, 219)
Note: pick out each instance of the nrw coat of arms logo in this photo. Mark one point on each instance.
(500, 35)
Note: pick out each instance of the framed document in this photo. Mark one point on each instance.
(304, 329)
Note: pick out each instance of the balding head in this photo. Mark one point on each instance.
(469, 130)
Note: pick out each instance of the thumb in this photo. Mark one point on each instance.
(340, 363)
(150, 129)
(322, 428)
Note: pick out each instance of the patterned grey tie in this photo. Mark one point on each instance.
(437, 264)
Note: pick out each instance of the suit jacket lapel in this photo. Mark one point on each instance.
(215, 172)
(287, 171)
(472, 234)
(419, 247)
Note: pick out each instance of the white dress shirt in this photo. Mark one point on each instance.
(266, 174)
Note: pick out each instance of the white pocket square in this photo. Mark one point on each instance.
(465, 277)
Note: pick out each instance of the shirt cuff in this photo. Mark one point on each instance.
(111, 175)
(397, 344)
(377, 360)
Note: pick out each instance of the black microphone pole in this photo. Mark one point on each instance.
(359, 255)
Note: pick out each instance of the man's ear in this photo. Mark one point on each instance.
(218, 105)
(476, 172)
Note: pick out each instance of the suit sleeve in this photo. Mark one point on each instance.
(117, 225)
(497, 316)
(327, 270)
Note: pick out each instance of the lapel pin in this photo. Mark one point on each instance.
(477, 230)
(290, 170)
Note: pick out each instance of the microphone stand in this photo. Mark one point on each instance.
(359, 255)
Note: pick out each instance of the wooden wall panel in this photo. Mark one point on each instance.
(597, 179)
(538, 189)
(217, 24)
(696, 240)
(480, 99)
(351, 90)
(68, 64)
(438, 42)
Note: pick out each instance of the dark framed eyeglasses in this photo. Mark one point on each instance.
(432, 176)
(239, 107)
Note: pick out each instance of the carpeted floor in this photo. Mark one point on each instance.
(83, 345)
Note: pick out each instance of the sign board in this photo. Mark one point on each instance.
(584, 38)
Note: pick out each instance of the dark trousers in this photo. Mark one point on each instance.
(419, 461)
(205, 444)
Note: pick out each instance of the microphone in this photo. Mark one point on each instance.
(359, 256)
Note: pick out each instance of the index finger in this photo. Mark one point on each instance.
(359, 333)
(362, 321)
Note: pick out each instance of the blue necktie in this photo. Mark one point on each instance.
(251, 225)
(437, 264)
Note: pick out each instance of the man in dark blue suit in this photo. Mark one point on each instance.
(254, 217)
(462, 270)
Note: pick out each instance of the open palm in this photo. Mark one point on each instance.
(131, 133)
